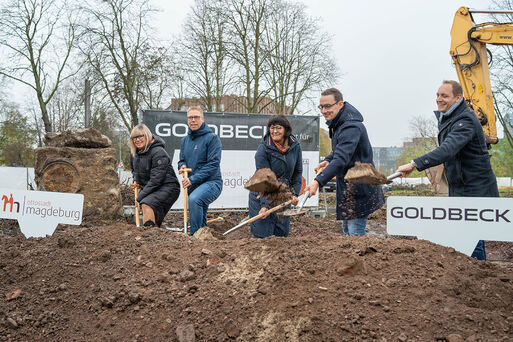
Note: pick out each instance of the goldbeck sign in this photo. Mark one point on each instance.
(458, 222)
(39, 212)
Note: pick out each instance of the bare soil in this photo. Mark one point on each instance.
(122, 283)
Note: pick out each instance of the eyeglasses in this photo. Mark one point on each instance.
(326, 106)
(138, 137)
(276, 128)
(194, 117)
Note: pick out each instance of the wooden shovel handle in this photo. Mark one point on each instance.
(137, 218)
(185, 172)
(273, 209)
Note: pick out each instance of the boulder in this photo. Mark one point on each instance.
(82, 138)
(88, 171)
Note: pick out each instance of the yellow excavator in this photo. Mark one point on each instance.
(470, 57)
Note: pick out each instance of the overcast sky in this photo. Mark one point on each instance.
(392, 55)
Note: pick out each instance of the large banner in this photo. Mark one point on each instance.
(240, 135)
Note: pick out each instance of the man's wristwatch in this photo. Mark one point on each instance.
(412, 162)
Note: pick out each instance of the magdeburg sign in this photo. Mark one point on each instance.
(458, 222)
(39, 212)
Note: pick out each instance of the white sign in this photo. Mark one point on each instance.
(121, 166)
(39, 212)
(236, 168)
(458, 222)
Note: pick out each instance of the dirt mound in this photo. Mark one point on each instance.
(121, 283)
(264, 182)
(365, 173)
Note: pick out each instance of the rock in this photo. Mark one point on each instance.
(233, 332)
(205, 233)
(402, 337)
(454, 338)
(134, 297)
(186, 275)
(352, 267)
(12, 323)
(13, 294)
(164, 277)
(88, 171)
(81, 138)
(185, 333)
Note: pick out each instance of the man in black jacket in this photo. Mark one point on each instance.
(462, 149)
(349, 144)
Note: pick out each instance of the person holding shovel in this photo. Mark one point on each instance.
(200, 151)
(462, 150)
(281, 152)
(153, 175)
(349, 144)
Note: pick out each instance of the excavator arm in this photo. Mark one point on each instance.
(470, 57)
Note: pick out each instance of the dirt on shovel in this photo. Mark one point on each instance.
(365, 173)
(265, 183)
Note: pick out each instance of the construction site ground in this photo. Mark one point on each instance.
(116, 282)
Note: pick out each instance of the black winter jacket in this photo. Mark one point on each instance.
(152, 170)
(350, 144)
(462, 149)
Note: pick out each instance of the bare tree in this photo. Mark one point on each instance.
(501, 73)
(424, 132)
(39, 37)
(204, 54)
(248, 21)
(156, 78)
(118, 31)
(65, 110)
(269, 52)
(297, 62)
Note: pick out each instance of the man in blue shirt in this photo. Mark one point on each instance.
(200, 150)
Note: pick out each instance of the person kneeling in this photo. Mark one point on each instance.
(153, 174)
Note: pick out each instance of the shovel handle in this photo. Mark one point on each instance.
(215, 220)
(394, 175)
(137, 218)
(259, 216)
(184, 172)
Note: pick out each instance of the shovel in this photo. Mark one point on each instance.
(254, 218)
(136, 194)
(184, 173)
(365, 173)
(299, 210)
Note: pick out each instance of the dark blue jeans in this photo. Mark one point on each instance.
(198, 202)
(479, 252)
(355, 226)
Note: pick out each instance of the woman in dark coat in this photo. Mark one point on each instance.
(281, 152)
(153, 175)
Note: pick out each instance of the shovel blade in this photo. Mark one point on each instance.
(294, 212)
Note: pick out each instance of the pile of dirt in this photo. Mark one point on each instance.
(264, 182)
(365, 173)
(122, 283)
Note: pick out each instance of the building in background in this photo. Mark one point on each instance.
(229, 104)
(385, 158)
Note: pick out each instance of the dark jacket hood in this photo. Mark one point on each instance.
(204, 129)
(346, 113)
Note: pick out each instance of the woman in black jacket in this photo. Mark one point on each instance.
(153, 174)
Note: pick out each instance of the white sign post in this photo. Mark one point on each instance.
(39, 212)
(458, 222)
